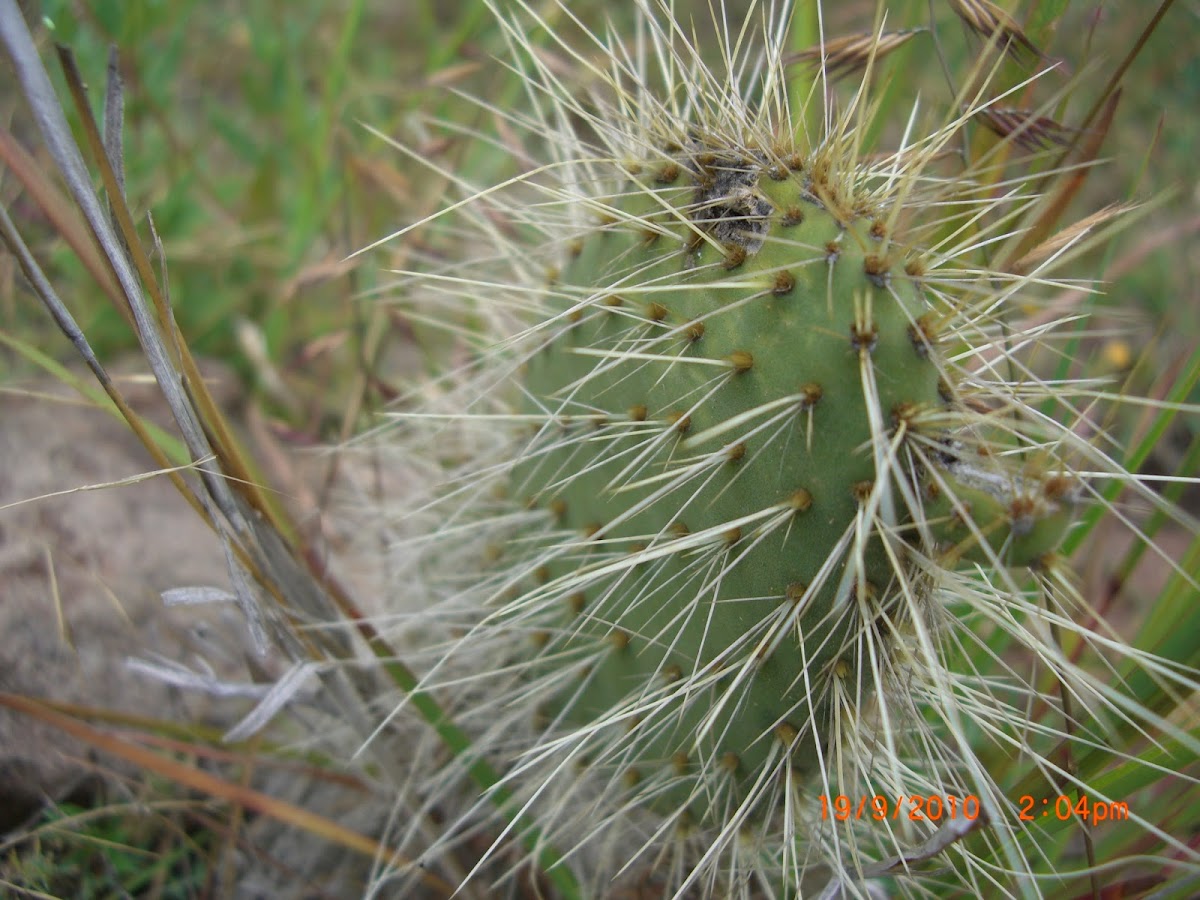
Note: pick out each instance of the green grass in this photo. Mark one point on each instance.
(161, 848)
(245, 142)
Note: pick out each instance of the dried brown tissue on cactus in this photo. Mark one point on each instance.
(763, 477)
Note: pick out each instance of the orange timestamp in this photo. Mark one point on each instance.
(915, 807)
(937, 807)
(1063, 808)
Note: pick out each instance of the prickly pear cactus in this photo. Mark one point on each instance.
(739, 492)
(736, 366)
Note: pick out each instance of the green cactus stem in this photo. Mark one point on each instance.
(735, 363)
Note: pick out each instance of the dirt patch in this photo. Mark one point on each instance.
(81, 577)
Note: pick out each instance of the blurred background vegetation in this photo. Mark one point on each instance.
(246, 141)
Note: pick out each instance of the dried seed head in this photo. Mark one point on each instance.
(995, 25)
(854, 52)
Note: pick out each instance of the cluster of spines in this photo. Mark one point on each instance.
(968, 501)
(716, 785)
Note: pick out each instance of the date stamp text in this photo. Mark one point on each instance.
(943, 807)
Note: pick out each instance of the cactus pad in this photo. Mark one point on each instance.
(734, 371)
